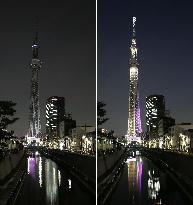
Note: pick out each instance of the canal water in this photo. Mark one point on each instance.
(48, 184)
(142, 183)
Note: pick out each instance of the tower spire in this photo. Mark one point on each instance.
(134, 20)
(133, 47)
(35, 46)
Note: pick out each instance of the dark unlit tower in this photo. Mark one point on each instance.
(35, 65)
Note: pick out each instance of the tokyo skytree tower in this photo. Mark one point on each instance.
(134, 120)
(35, 65)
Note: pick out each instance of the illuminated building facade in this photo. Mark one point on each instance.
(55, 115)
(84, 138)
(134, 120)
(181, 137)
(34, 117)
(155, 111)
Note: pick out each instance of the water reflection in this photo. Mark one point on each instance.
(147, 184)
(154, 186)
(49, 177)
(59, 178)
(31, 166)
(51, 181)
(69, 183)
(135, 170)
(134, 165)
(40, 171)
(46, 183)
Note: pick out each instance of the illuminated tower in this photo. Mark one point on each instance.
(35, 65)
(134, 120)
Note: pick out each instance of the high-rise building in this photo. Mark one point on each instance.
(155, 111)
(34, 116)
(69, 124)
(164, 125)
(55, 116)
(134, 119)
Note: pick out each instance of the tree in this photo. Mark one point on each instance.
(101, 112)
(6, 118)
(111, 134)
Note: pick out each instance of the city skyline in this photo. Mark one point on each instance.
(67, 49)
(164, 42)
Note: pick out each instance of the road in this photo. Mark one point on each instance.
(143, 183)
(46, 183)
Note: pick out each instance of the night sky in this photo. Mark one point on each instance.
(67, 35)
(164, 32)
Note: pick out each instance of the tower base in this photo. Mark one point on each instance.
(133, 139)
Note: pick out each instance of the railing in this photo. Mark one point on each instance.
(11, 192)
(16, 189)
(107, 182)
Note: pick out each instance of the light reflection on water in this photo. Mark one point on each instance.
(31, 166)
(59, 178)
(51, 181)
(49, 177)
(135, 171)
(153, 186)
(40, 171)
(47, 183)
(134, 176)
(144, 183)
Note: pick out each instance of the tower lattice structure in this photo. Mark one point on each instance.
(34, 117)
(134, 119)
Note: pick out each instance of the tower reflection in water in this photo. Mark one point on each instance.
(51, 182)
(46, 173)
(135, 177)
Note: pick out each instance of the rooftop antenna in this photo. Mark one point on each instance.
(36, 29)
